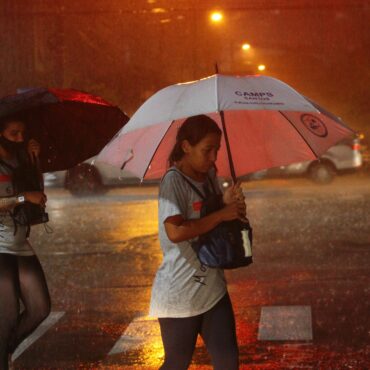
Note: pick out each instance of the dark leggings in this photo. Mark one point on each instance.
(217, 328)
(21, 278)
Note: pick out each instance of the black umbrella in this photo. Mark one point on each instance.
(71, 126)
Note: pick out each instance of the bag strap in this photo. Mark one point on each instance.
(212, 185)
(7, 165)
(191, 184)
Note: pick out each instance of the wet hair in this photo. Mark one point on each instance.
(4, 121)
(194, 129)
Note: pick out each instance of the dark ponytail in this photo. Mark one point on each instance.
(194, 129)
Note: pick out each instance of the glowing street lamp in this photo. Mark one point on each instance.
(159, 10)
(216, 17)
(246, 47)
(261, 67)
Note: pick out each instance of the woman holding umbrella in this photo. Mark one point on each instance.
(21, 275)
(187, 297)
(265, 124)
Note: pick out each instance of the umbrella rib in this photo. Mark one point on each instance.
(155, 152)
(314, 153)
(332, 116)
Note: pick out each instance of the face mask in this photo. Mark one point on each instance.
(11, 146)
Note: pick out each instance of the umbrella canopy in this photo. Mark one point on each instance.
(71, 126)
(265, 123)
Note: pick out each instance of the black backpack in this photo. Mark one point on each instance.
(223, 246)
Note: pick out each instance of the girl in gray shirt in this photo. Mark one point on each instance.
(187, 297)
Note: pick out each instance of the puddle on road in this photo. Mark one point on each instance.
(141, 346)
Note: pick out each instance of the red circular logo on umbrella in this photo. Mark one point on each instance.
(314, 124)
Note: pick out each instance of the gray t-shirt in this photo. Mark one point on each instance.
(183, 287)
(11, 241)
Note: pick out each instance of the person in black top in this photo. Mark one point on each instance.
(21, 275)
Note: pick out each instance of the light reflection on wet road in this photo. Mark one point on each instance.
(312, 248)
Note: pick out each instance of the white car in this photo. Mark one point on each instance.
(90, 177)
(344, 156)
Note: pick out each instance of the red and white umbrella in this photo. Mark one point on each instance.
(265, 124)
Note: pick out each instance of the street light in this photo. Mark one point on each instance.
(246, 47)
(261, 67)
(216, 17)
(159, 10)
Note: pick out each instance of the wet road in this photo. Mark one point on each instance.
(304, 303)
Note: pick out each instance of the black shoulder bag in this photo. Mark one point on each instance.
(26, 178)
(229, 244)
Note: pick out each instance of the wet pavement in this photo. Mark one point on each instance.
(311, 276)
